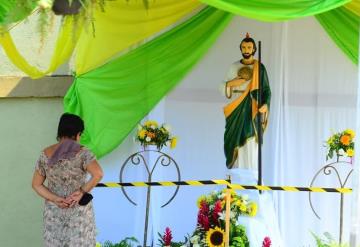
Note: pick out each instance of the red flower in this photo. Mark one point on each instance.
(204, 208)
(266, 242)
(216, 211)
(203, 216)
(203, 221)
(167, 236)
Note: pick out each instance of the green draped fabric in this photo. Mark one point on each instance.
(5, 6)
(343, 27)
(115, 97)
(11, 11)
(275, 10)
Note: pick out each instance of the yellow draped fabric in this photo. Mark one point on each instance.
(125, 23)
(354, 6)
(65, 45)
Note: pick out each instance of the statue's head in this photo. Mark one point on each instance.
(247, 46)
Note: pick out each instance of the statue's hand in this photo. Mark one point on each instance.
(264, 112)
(263, 109)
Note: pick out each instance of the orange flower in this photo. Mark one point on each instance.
(345, 139)
(150, 134)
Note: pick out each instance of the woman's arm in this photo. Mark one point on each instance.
(41, 190)
(96, 175)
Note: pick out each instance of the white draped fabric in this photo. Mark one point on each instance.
(355, 210)
(314, 88)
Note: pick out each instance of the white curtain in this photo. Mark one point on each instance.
(314, 89)
(355, 212)
(314, 95)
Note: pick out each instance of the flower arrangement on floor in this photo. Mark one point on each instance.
(127, 242)
(151, 133)
(342, 144)
(329, 241)
(210, 228)
(167, 240)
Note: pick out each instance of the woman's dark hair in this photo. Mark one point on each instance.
(69, 126)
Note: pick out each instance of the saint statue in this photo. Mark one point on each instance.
(242, 86)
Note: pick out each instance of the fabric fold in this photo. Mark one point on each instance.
(113, 98)
(269, 10)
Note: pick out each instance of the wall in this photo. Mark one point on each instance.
(26, 126)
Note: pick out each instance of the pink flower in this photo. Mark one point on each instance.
(167, 237)
(266, 242)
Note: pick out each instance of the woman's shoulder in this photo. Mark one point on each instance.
(49, 150)
(86, 153)
(85, 150)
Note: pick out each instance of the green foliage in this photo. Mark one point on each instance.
(328, 241)
(238, 236)
(127, 242)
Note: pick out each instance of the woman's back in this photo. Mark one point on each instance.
(67, 172)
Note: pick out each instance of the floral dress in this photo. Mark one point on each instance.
(68, 227)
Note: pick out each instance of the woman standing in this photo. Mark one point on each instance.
(65, 166)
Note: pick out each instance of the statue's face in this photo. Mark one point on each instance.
(247, 49)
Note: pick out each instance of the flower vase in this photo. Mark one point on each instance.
(152, 144)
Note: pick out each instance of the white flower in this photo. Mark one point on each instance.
(194, 239)
(341, 152)
(148, 139)
(153, 127)
(223, 214)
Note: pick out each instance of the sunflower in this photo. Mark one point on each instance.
(215, 237)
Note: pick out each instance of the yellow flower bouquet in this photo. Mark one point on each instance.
(151, 133)
(210, 227)
(342, 144)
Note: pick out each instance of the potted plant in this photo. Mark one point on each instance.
(127, 242)
(150, 133)
(341, 144)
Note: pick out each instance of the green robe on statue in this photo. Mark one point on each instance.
(241, 115)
